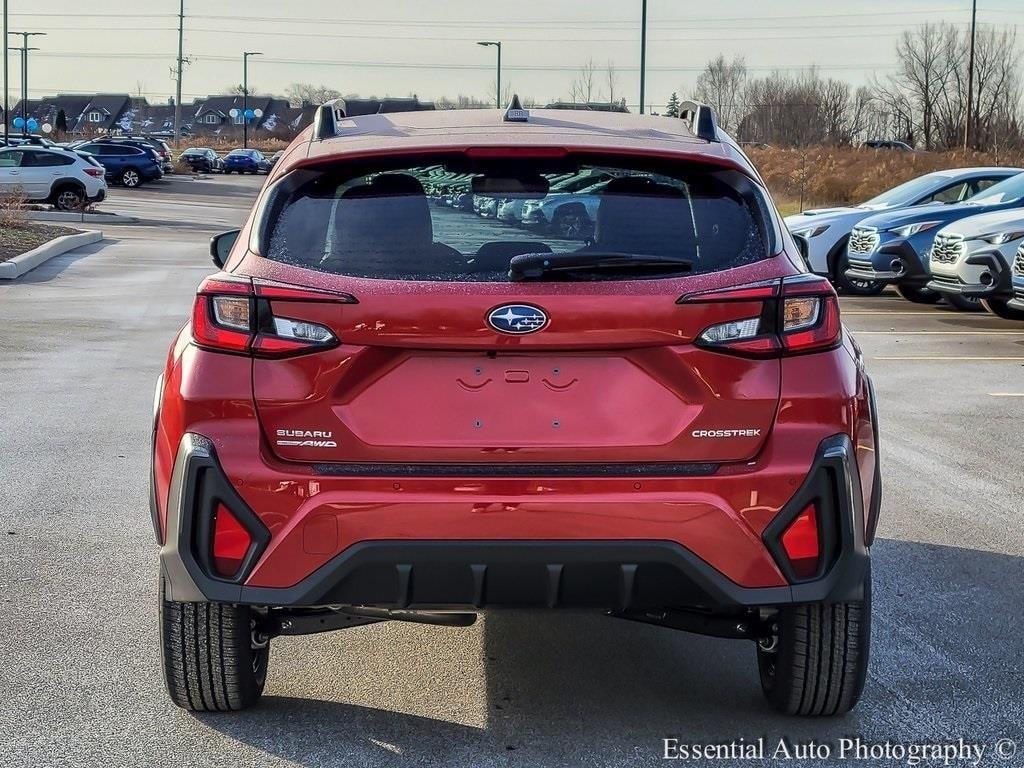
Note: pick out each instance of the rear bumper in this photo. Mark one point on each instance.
(475, 574)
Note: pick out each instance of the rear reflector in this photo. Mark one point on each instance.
(801, 543)
(231, 542)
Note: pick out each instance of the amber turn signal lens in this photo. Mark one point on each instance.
(231, 312)
(800, 313)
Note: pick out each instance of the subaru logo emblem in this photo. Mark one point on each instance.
(517, 319)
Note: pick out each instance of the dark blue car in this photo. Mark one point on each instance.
(246, 161)
(893, 248)
(126, 162)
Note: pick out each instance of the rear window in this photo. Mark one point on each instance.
(465, 220)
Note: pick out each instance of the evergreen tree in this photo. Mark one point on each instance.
(672, 109)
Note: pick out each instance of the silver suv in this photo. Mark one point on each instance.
(972, 259)
(66, 179)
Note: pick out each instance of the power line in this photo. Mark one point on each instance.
(531, 24)
(442, 66)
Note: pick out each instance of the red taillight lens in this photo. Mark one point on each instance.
(209, 329)
(801, 317)
(810, 324)
(228, 317)
(231, 542)
(94, 172)
(801, 543)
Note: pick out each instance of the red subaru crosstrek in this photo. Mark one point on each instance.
(626, 394)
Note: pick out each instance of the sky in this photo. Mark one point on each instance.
(405, 47)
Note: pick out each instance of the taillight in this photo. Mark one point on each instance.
(231, 542)
(801, 543)
(228, 316)
(801, 315)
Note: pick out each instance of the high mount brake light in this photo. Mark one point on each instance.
(230, 316)
(798, 315)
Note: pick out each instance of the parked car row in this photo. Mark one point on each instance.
(950, 235)
(568, 210)
(206, 160)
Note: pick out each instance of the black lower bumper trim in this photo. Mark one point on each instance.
(619, 575)
(653, 469)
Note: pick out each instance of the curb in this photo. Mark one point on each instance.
(19, 265)
(81, 218)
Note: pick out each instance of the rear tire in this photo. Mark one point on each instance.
(69, 199)
(131, 178)
(1001, 308)
(962, 303)
(919, 295)
(820, 661)
(209, 663)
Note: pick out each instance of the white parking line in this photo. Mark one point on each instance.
(949, 357)
(1006, 394)
(958, 316)
(992, 332)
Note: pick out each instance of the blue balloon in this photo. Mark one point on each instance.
(19, 122)
(249, 114)
(33, 124)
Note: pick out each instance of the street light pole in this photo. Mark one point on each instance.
(497, 93)
(245, 95)
(7, 107)
(177, 90)
(970, 78)
(643, 52)
(24, 74)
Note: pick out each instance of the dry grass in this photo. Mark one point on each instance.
(25, 237)
(841, 176)
(12, 210)
(267, 146)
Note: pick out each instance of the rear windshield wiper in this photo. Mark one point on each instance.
(533, 266)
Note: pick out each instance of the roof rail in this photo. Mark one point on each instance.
(329, 114)
(701, 119)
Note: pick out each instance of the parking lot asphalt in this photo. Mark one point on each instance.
(81, 343)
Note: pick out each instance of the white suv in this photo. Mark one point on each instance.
(971, 259)
(62, 177)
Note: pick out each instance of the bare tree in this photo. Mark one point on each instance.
(720, 85)
(582, 89)
(611, 80)
(997, 100)
(307, 93)
(928, 60)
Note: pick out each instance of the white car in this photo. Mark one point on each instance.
(972, 258)
(62, 177)
(822, 233)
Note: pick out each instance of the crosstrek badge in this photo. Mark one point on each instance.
(715, 433)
